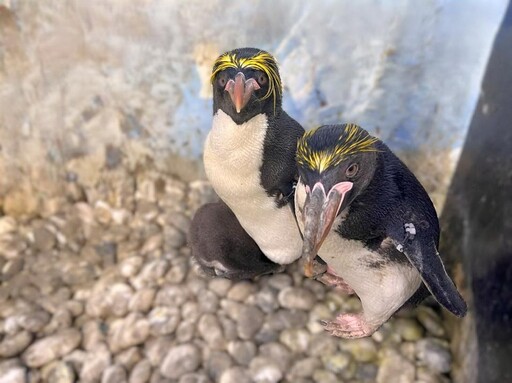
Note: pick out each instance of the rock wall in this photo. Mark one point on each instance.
(95, 91)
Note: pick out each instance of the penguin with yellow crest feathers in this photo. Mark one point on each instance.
(249, 154)
(368, 217)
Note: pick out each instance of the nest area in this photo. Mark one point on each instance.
(103, 288)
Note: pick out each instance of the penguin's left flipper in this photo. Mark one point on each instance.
(421, 251)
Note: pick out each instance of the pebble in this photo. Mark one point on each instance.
(207, 301)
(130, 266)
(163, 320)
(152, 243)
(142, 300)
(180, 360)
(278, 353)
(76, 359)
(325, 376)
(296, 339)
(194, 378)
(216, 363)
(12, 345)
(220, 286)
(62, 318)
(114, 374)
(296, 298)
(7, 225)
(34, 321)
(12, 372)
(92, 334)
(102, 212)
(408, 329)
(395, 368)
(58, 372)
(210, 330)
(266, 300)
(128, 358)
(156, 349)
(112, 302)
(265, 370)
(52, 347)
(141, 372)
(44, 239)
(431, 321)
(434, 354)
(178, 271)
(240, 291)
(337, 362)
(151, 274)
(304, 368)
(95, 362)
(363, 349)
(11, 268)
(279, 281)
(322, 344)
(249, 321)
(242, 351)
(173, 296)
(174, 237)
(425, 375)
(235, 375)
(185, 331)
(127, 332)
(367, 372)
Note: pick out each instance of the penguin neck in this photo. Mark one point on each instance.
(228, 136)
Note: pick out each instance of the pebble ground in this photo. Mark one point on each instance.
(98, 293)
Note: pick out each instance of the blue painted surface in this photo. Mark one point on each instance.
(408, 71)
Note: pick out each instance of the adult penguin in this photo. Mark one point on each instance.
(368, 217)
(249, 154)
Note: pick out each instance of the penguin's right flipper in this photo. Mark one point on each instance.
(421, 251)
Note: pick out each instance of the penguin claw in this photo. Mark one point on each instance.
(348, 326)
(338, 283)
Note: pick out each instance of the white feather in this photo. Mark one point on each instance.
(233, 155)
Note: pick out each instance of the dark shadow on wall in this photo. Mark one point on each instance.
(477, 222)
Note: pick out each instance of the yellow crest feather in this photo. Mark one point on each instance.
(352, 140)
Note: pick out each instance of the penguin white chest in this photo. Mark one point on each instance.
(383, 288)
(233, 156)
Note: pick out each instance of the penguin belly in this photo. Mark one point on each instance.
(382, 286)
(233, 156)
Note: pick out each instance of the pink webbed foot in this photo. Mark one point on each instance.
(349, 326)
(330, 278)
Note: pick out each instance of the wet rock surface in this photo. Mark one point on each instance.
(107, 292)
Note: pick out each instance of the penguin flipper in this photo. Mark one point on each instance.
(422, 253)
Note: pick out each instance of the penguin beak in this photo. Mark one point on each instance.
(320, 211)
(241, 90)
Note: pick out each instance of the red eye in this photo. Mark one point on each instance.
(261, 78)
(222, 81)
(352, 170)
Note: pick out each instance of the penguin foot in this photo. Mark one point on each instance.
(349, 326)
(338, 283)
(314, 269)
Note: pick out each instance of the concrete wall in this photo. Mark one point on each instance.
(93, 90)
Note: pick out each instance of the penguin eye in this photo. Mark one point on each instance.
(222, 80)
(352, 170)
(261, 78)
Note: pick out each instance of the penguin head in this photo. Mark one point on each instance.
(246, 82)
(336, 163)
